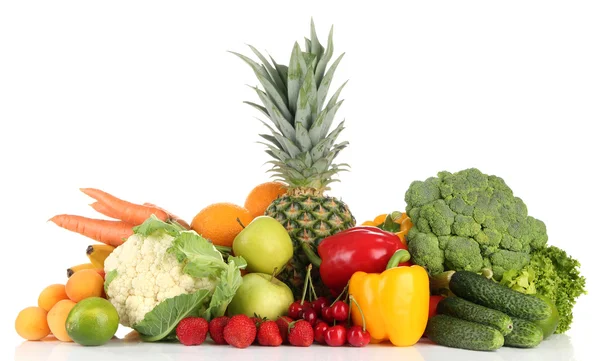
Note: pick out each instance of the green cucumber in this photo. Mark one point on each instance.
(469, 311)
(485, 292)
(525, 334)
(453, 332)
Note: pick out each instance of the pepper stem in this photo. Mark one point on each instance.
(362, 315)
(311, 255)
(400, 256)
(306, 280)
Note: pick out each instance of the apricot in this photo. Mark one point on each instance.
(57, 317)
(83, 284)
(31, 323)
(50, 295)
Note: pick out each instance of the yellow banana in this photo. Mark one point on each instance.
(79, 267)
(97, 253)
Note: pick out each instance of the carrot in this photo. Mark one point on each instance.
(173, 217)
(126, 211)
(108, 232)
(103, 209)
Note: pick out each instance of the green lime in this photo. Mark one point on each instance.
(92, 322)
(548, 325)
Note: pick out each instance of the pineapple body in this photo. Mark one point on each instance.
(308, 219)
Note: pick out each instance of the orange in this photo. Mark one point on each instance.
(262, 196)
(218, 222)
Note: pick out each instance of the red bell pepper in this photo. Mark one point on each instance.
(367, 249)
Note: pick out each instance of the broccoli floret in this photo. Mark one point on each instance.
(470, 220)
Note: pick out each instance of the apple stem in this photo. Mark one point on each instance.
(306, 280)
(273, 274)
(362, 315)
(240, 222)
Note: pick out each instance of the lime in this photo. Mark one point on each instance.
(92, 322)
(548, 325)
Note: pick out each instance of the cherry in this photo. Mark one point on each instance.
(339, 311)
(294, 310)
(327, 314)
(358, 337)
(318, 304)
(309, 315)
(335, 335)
(320, 329)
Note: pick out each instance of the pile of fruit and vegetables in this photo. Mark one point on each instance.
(464, 266)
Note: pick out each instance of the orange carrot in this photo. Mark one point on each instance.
(108, 232)
(173, 217)
(103, 209)
(127, 212)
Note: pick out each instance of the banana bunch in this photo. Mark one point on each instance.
(96, 254)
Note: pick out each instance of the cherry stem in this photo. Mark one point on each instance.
(306, 281)
(362, 315)
(340, 295)
(312, 287)
(240, 222)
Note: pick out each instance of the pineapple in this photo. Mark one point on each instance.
(303, 148)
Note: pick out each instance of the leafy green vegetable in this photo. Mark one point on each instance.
(553, 274)
(110, 276)
(153, 224)
(162, 320)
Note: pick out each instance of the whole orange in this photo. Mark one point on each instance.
(219, 222)
(261, 196)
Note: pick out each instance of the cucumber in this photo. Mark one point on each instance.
(453, 332)
(524, 334)
(469, 311)
(488, 293)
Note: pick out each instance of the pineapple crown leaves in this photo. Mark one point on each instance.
(293, 98)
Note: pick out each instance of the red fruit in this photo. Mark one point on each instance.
(335, 336)
(192, 331)
(357, 337)
(268, 334)
(327, 314)
(320, 329)
(215, 329)
(294, 310)
(240, 331)
(433, 302)
(309, 315)
(301, 333)
(318, 304)
(340, 311)
(283, 323)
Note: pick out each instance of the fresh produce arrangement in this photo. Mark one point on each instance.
(465, 266)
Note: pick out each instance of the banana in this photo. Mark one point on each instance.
(79, 267)
(97, 253)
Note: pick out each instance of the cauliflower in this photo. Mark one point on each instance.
(470, 221)
(146, 275)
(163, 273)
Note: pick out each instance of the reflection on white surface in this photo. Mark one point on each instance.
(558, 348)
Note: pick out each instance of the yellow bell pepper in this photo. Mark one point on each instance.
(395, 303)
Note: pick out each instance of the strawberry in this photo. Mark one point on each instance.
(301, 333)
(215, 328)
(240, 331)
(268, 334)
(283, 323)
(192, 331)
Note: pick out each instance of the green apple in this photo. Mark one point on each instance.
(263, 295)
(265, 245)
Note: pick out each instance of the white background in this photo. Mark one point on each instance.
(143, 100)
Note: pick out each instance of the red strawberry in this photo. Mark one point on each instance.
(268, 334)
(283, 323)
(192, 331)
(240, 331)
(301, 333)
(215, 328)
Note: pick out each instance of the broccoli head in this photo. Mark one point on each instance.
(468, 221)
